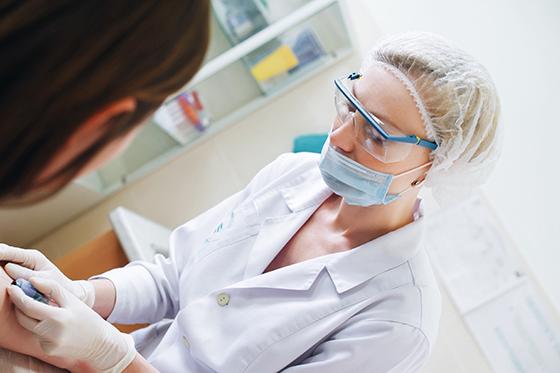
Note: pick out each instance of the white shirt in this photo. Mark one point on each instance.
(374, 308)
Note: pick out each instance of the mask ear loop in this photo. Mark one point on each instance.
(415, 183)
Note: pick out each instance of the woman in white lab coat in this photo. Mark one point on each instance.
(318, 264)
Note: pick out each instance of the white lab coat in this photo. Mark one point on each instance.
(374, 308)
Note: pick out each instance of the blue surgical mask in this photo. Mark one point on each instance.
(355, 183)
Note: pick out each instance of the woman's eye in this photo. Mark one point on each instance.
(379, 140)
(375, 138)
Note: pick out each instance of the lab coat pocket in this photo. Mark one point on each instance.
(230, 238)
(235, 226)
(226, 238)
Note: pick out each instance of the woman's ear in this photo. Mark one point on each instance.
(92, 126)
(418, 182)
(86, 135)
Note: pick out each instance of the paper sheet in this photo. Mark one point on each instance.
(517, 332)
(472, 254)
(484, 275)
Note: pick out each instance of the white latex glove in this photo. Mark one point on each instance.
(72, 329)
(32, 263)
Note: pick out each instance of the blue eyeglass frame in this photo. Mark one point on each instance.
(374, 121)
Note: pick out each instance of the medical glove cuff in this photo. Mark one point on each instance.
(84, 291)
(118, 355)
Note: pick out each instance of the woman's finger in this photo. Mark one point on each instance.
(16, 271)
(26, 321)
(30, 306)
(51, 289)
(29, 258)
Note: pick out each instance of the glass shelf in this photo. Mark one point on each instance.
(287, 42)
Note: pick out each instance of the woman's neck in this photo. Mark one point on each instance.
(362, 224)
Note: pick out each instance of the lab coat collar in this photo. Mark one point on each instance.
(303, 195)
(299, 276)
(373, 258)
(358, 265)
(307, 190)
(347, 269)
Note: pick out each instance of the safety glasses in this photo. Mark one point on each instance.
(383, 141)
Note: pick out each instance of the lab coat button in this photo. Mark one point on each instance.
(223, 299)
(186, 342)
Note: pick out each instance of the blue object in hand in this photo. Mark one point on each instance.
(30, 290)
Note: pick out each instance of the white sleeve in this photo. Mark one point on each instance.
(368, 346)
(149, 292)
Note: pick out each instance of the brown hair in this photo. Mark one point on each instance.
(63, 60)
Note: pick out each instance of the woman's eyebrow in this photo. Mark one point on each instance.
(382, 117)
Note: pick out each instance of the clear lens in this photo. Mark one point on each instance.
(344, 110)
(366, 134)
(375, 144)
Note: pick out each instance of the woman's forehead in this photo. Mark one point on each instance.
(384, 95)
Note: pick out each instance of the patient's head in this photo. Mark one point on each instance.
(79, 76)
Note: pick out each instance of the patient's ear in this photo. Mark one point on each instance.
(87, 134)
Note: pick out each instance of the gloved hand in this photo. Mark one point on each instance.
(32, 263)
(72, 329)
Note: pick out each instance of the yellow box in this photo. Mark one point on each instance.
(278, 62)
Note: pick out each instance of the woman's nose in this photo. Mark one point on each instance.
(342, 136)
